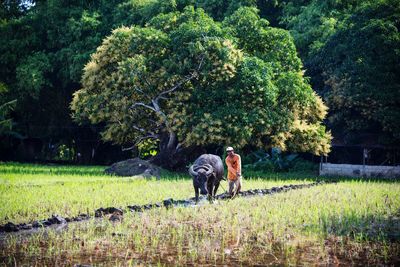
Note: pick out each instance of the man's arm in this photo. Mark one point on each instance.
(239, 171)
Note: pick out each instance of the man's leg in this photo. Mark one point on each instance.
(238, 184)
(231, 185)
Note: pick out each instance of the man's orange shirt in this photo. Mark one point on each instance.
(234, 165)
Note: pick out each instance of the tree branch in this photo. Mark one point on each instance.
(193, 75)
(138, 128)
(156, 106)
(138, 140)
(143, 105)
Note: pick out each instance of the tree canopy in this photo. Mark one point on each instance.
(200, 82)
(361, 64)
(348, 49)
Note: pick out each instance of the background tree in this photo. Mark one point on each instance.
(42, 52)
(184, 79)
(44, 46)
(361, 71)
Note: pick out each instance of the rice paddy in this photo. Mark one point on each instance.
(350, 222)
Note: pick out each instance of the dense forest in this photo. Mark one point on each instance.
(330, 68)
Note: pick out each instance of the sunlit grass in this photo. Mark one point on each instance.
(347, 223)
(351, 222)
(32, 192)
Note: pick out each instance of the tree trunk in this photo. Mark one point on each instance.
(170, 157)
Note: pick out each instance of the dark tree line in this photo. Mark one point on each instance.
(349, 50)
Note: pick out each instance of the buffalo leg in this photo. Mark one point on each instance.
(196, 193)
(216, 189)
(210, 191)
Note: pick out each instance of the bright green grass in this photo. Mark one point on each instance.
(30, 192)
(345, 223)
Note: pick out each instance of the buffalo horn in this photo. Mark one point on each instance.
(191, 171)
(209, 169)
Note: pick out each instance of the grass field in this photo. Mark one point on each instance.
(352, 221)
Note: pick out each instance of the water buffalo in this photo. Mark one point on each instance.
(207, 172)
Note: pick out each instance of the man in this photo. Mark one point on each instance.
(234, 164)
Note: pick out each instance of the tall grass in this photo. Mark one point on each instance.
(344, 223)
(31, 192)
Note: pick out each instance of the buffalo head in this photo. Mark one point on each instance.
(200, 176)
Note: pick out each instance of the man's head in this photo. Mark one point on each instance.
(230, 151)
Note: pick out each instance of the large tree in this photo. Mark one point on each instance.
(185, 80)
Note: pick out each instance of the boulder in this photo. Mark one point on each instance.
(168, 202)
(56, 219)
(10, 227)
(116, 217)
(134, 167)
(25, 226)
(104, 211)
(135, 208)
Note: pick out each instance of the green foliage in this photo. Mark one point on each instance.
(6, 106)
(186, 74)
(267, 43)
(42, 52)
(147, 148)
(275, 161)
(65, 153)
(361, 70)
(349, 47)
(31, 75)
(349, 50)
(313, 22)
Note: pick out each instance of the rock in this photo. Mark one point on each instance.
(10, 227)
(25, 226)
(182, 202)
(41, 223)
(104, 211)
(135, 208)
(116, 217)
(134, 167)
(56, 219)
(84, 216)
(46, 222)
(168, 202)
(118, 234)
(36, 224)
